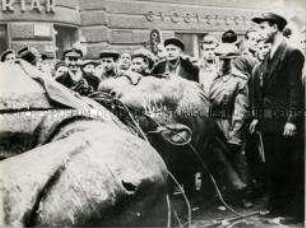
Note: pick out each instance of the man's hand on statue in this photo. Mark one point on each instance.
(253, 125)
(289, 130)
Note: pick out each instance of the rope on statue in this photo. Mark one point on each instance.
(121, 110)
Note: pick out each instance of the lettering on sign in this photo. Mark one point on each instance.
(38, 6)
(188, 18)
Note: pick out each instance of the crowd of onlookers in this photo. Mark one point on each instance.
(225, 69)
(77, 72)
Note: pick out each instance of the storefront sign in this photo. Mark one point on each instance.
(42, 30)
(39, 6)
(188, 17)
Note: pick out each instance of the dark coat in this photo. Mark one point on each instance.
(187, 71)
(245, 63)
(277, 93)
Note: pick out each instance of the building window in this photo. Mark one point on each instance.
(65, 37)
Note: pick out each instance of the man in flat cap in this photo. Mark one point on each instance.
(9, 56)
(142, 62)
(109, 64)
(74, 78)
(278, 104)
(175, 65)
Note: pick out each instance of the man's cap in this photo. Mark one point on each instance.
(227, 50)
(89, 62)
(5, 53)
(271, 17)
(28, 54)
(110, 54)
(73, 52)
(229, 36)
(145, 54)
(175, 41)
(60, 64)
(44, 57)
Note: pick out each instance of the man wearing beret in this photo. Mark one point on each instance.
(278, 105)
(109, 60)
(74, 78)
(175, 65)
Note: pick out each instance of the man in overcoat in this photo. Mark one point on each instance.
(278, 102)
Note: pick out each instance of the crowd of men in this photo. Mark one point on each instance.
(255, 89)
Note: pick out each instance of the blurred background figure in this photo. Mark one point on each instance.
(207, 61)
(229, 36)
(142, 62)
(263, 48)
(161, 52)
(247, 60)
(44, 65)
(88, 68)
(60, 69)
(29, 54)
(125, 61)
(287, 32)
(9, 56)
(109, 64)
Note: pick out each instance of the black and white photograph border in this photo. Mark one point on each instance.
(152, 113)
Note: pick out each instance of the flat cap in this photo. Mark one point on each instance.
(60, 64)
(110, 54)
(227, 50)
(73, 52)
(272, 17)
(28, 54)
(175, 41)
(5, 53)
(145, 54)
(89, 62)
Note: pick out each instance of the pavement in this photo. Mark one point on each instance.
(215, 214)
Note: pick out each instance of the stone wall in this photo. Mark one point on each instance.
(126, 24)
(31, 22)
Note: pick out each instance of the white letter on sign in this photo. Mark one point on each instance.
(36, 5)
(7, 5)
(23, 6)
(50, 6)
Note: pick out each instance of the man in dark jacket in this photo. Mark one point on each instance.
(74, 77)
(175, 65)
(278, 101)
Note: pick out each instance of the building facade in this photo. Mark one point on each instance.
(53, 25)
(48, 25)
